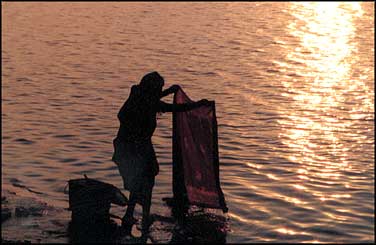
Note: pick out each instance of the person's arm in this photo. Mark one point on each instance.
(166, 107)
(171, 90)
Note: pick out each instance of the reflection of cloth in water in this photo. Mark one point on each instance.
(137, 165)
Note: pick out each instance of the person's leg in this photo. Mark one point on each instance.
(146, 219)
(128, 216)
(146, 214)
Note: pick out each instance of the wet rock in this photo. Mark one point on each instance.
(37, 222)
(4, 200)
(21, 212)
(5, 214)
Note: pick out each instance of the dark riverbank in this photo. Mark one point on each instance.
(25, 218)
(28, 219)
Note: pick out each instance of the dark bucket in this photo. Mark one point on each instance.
(90, 200)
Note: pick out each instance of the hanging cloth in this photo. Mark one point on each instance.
(195, 156)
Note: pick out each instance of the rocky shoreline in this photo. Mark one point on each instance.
(27, 219)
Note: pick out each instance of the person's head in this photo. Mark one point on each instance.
(152, 84)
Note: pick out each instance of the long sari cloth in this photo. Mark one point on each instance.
(195, 156)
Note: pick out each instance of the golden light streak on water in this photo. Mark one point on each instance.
(300, 187)
(286, 231)
(303, 177)
(253, 165)
(289, 231)
(323, 63)
(232, 215)
(272, 176)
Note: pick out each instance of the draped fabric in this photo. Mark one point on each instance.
(195, 156)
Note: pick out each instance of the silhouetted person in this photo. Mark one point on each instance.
(134, 153)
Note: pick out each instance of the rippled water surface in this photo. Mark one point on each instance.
(293, 85)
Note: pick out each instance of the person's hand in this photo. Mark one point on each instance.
(175, 88)
(204, 102)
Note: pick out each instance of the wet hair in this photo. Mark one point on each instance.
(151, 82)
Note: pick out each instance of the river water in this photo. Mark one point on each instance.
(294, 91)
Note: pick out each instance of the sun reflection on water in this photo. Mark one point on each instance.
(320, 88)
